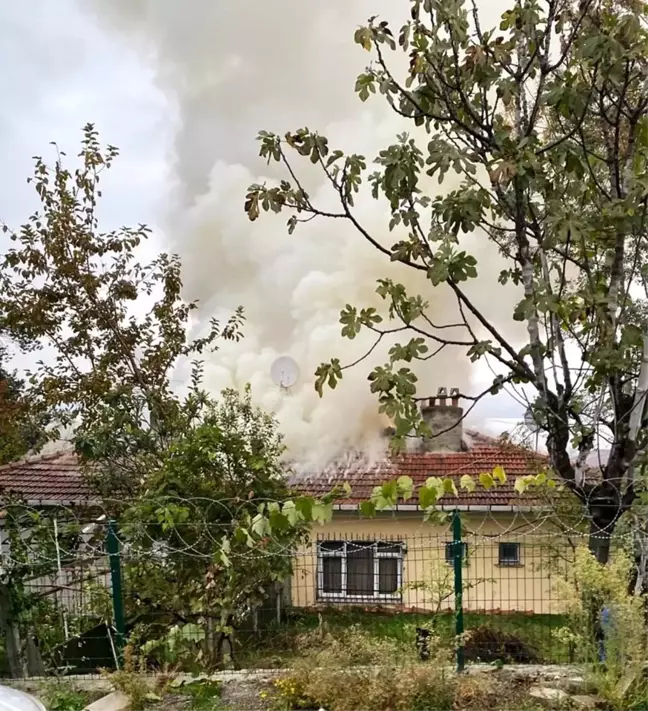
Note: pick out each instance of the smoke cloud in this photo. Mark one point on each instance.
(232, 69)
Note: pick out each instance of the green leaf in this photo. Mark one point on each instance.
(449, 487)
(363, 36)
(427, 497)
(304, 505)
(437, 484)
(405, 487)
(260, 526)
(367, 509)
(389, 491)
(521, 484)
(322, 513)
(291, 513)
(486, 480)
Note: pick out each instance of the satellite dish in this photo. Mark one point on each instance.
(284, 372)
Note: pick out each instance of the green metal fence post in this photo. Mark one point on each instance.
(112, 544)
(458, 588)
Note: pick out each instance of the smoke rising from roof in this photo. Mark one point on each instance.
(233, 69)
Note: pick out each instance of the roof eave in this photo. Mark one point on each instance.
(477, 508)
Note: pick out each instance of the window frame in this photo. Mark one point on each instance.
(450, 559)
(509, 562)
(378, 555)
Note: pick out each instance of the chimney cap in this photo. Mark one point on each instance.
(441, 396)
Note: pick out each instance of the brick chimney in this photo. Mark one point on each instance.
(443, 414)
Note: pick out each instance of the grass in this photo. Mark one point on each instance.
(275, 647)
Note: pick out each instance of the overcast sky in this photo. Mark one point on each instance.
(131, 74)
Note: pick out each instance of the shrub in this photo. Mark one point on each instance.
(354, 671)
(59, 696)
(351, 647)
(489, 644)
(591, 587)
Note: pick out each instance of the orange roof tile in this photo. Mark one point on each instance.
(483, 455)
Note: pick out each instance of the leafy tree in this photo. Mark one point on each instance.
(21, 429)
(116, 329)
(214, 529)
(543, 118)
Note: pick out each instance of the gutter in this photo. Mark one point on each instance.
(447, 507)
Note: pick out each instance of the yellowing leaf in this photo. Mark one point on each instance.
(436, 483)
(486, 480)
(521, 484)
(405, 487)
(467, 483)
(346, 487)
(449, 487)
(499, 474)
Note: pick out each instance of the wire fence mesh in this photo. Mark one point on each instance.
(496, 593)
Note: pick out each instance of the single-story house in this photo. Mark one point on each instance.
(512, 552)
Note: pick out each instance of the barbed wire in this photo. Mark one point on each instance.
(51, 534)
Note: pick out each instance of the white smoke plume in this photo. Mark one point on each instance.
(232, 69)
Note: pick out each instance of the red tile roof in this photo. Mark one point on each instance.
(58, 477)
(483, 455)
(55, 478)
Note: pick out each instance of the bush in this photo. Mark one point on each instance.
(354, 671)
(620, 680)
(489, 644)
(59, 696)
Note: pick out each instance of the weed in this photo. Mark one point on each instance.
(204, 694)
(60, 696)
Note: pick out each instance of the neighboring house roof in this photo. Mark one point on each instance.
(58, 479)
(482, 454)
(54, 479)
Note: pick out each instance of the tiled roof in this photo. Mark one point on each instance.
(58, 477)
(483, 455)
(49, 478)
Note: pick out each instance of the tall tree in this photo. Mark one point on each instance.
(115, 329)
(544, 120)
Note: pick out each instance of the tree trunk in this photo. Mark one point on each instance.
(605, 506)
(599, 542)
(35, 665)
(11, 635)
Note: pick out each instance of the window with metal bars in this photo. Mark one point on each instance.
(450, 548)
(360, 570)
(509, 554)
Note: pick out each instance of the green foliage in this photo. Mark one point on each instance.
(367, 677)
(57, 695)
(68, 286)
(39, 540)
(541, 119)
(205, 694)
(22, 429)
(219, 492)
(589, 588)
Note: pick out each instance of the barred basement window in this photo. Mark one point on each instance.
(509, 554)
(359, 570)
(450, 552)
